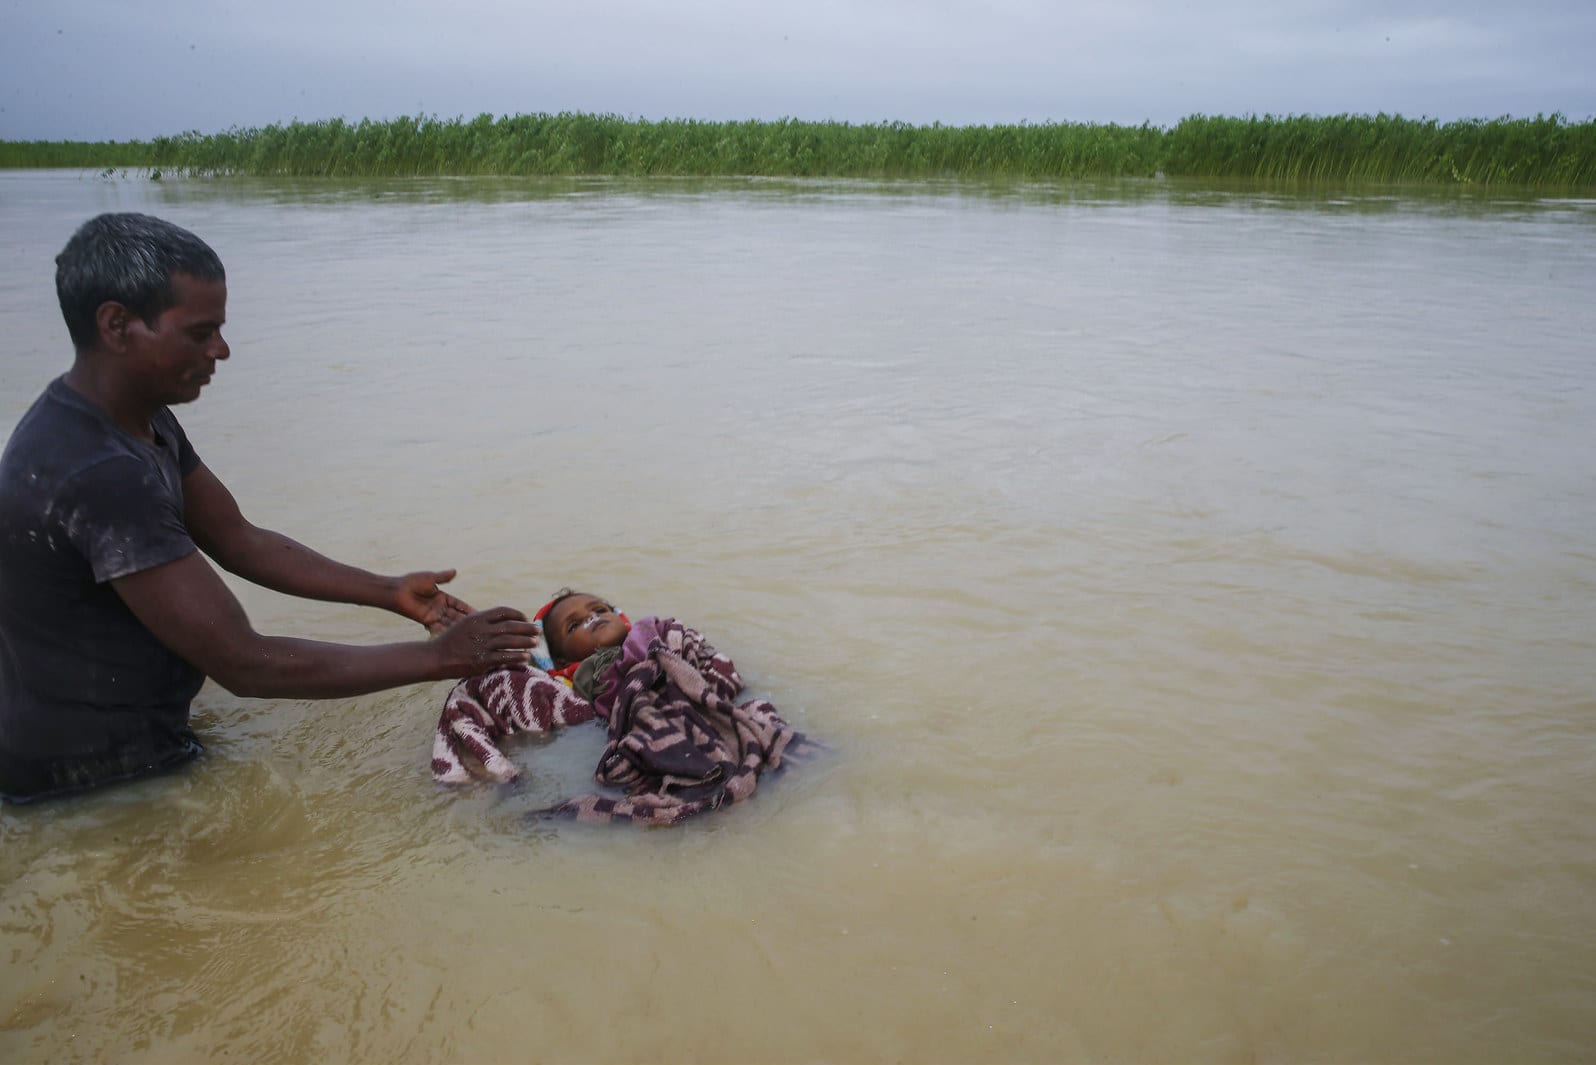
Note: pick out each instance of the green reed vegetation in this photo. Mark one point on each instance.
(114, 155)
(1542, 151)
(569, 144)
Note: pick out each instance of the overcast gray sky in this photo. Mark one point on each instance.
(125, 69)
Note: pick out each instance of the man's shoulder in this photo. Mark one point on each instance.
(65, 431)
(54, 440)
(56, 416)
(62, 452)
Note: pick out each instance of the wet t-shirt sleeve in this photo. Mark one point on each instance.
(126, 516)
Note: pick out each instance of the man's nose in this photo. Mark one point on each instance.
(220, 350)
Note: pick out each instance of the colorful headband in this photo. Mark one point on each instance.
(546, 607)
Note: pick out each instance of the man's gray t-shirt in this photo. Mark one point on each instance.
(87, 693)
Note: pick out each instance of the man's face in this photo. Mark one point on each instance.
(175, 358)
(579, 625)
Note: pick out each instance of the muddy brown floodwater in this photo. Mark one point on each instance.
(1197, 587)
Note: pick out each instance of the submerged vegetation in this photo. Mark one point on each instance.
(1542, 151)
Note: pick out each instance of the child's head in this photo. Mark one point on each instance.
(575, 624)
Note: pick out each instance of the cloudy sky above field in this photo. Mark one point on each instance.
(110, 69)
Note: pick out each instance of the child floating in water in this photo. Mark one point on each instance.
(678, 743)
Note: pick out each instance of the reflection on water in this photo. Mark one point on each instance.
(1456, 201)
(1195, 582)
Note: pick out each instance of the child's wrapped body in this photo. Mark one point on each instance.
(679, 742)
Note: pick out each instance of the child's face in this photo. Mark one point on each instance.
(579, 625)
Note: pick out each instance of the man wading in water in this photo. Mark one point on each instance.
(110, 617)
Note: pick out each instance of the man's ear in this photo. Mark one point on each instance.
(113, 319)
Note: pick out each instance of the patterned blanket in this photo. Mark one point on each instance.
(679, 743)
(481, 711)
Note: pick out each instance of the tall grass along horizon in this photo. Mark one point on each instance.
(1544, 151)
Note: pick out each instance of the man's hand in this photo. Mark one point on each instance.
(485, 640)
(418, 597)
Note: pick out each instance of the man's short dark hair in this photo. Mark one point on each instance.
(129, 259)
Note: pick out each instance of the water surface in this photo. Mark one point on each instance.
(1196, 584)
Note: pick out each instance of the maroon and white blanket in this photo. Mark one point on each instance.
(679, 743)
(481, 711)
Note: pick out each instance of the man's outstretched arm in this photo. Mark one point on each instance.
(282, 564)
(192, 611)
